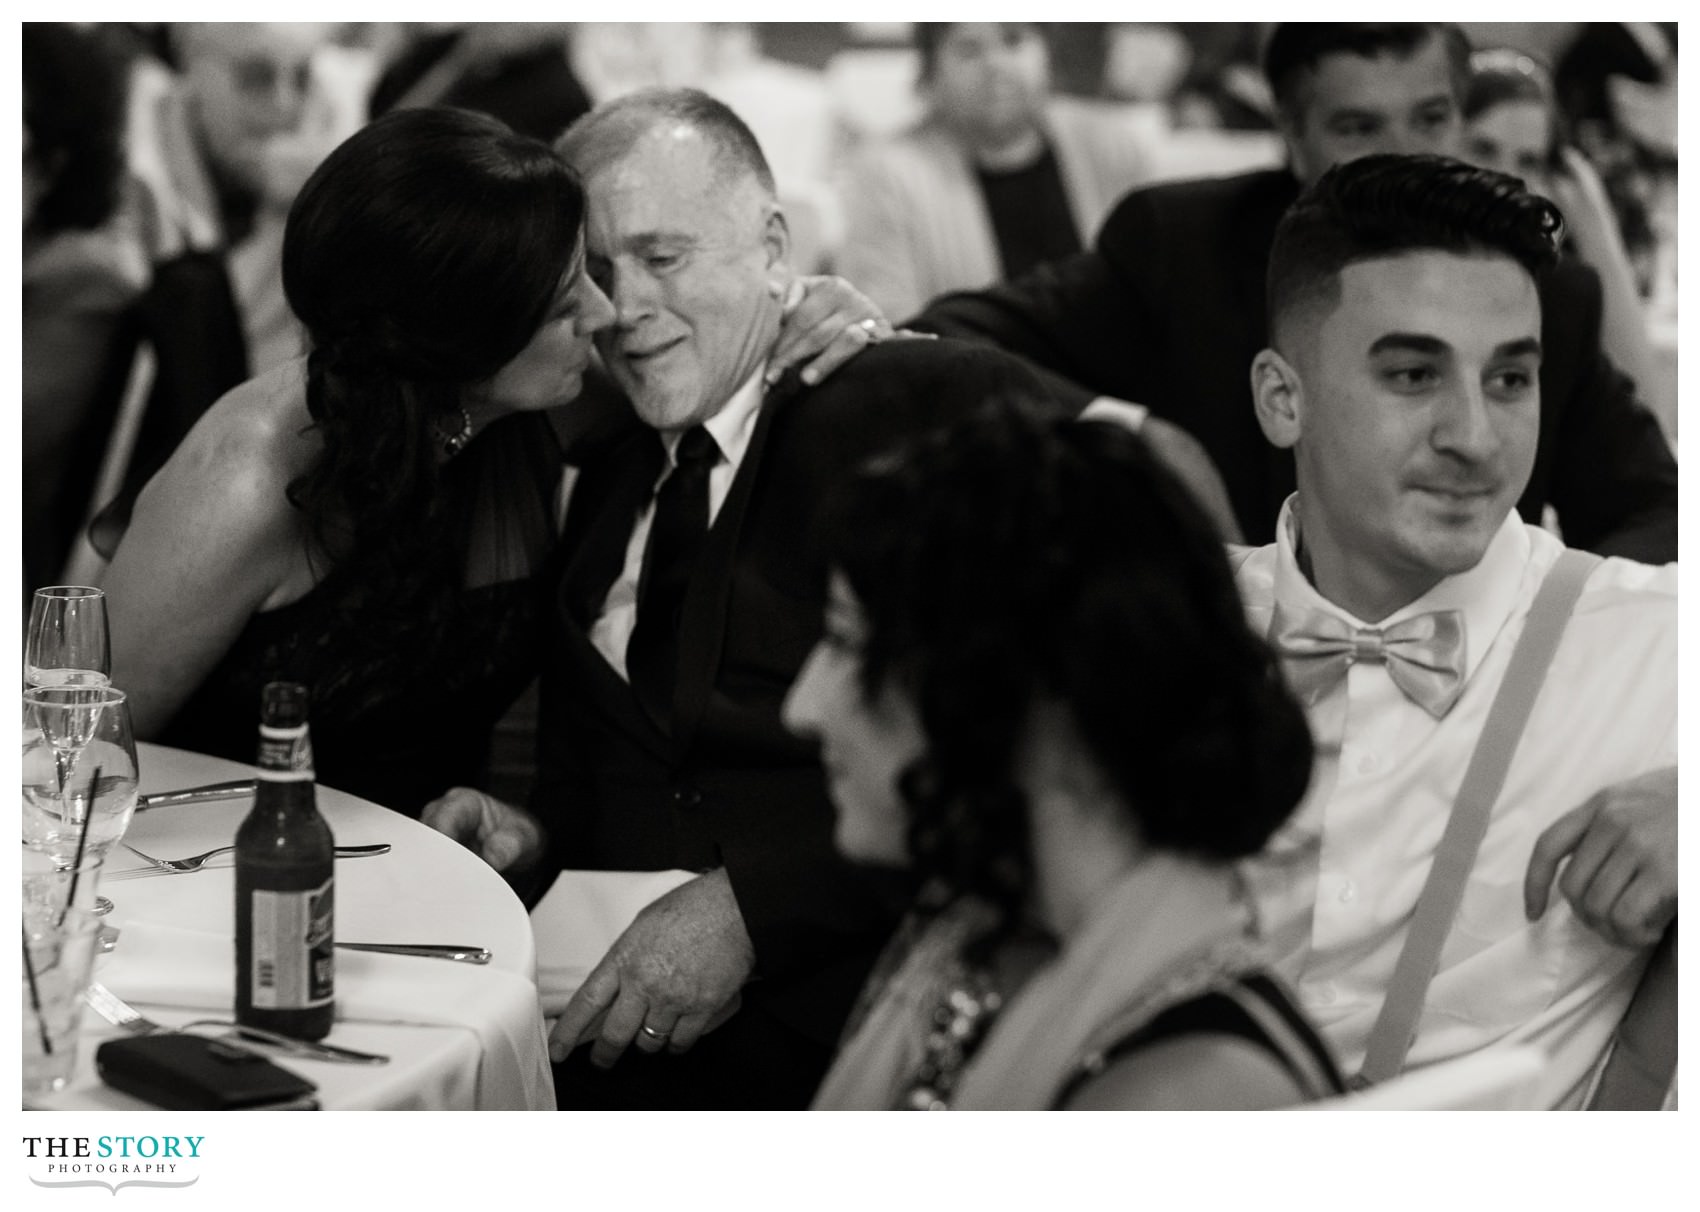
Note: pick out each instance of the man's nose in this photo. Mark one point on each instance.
(1464, 426)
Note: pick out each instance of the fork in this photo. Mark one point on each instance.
(123, 1015)
(195, 861)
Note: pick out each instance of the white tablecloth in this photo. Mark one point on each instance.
(460, 1036)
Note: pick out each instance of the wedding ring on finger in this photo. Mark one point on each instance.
(869, 326)
(658, 1036)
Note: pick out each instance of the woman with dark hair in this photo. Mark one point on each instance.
(81, 272)
(373, 520)
(1513, 125)
(1038, 693)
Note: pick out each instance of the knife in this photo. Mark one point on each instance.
(233, 790)
(448, 951)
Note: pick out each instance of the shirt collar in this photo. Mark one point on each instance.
(732, 425)
(1485, 594)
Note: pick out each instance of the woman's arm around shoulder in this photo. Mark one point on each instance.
(212, 540)
(1199, 1071)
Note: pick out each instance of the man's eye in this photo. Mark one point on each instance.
(661, 260)
(1511, 384)
(1435, 118)
(1411, 378)
(1353, 128)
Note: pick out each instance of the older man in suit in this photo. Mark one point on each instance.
(1168, 309)
(691, 594)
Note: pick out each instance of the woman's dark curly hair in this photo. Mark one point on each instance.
(1011, 560)
(421, 256)
(74, 83)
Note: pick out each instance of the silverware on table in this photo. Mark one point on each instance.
(195, 862)
(121, 1013)
(448, 951)
(233, 790)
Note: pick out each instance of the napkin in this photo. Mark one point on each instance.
(160, 965)
(579, 918)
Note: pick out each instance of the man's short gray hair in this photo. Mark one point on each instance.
(610, 129)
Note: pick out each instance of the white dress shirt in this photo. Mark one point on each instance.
(730, 428)
(1338, 884)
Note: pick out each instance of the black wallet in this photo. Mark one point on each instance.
(184, 1072)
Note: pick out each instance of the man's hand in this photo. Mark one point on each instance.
(827, 322)
(506, 837)
(674, 974)
(1621, 878)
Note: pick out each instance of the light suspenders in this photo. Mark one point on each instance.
(1455, 856)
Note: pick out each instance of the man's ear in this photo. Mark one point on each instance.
(776, 236)
(1278, 396)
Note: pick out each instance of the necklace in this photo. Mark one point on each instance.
(454, 443)
(959, 1023)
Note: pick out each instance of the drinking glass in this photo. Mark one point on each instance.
(79, 771)
(60, 939)
(67, 643)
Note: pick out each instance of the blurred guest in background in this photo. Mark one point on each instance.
(998, 177)
(81, 271)
(1037, 692)
(1168, 309)
(218, 147)
(517, 71)
(1513, 126)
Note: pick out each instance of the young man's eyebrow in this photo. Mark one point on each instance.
(1409, 342)
(1521, 348)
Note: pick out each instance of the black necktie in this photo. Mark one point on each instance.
(676, 536)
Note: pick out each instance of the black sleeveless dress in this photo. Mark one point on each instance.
(407, 684)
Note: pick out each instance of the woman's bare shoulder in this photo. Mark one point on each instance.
(1201, 1071)
(233, 469)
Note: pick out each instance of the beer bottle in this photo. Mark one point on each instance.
(285, 868)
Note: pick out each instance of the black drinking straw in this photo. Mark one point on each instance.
(35, 997)
(82, 841)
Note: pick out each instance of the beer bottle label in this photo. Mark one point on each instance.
(293, 964)
(286, 754)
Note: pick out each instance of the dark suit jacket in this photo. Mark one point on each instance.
(732, 787)
(1168, 310)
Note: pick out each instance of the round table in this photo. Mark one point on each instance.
(460, 1036)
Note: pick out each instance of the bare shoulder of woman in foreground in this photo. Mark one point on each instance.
(213, 540)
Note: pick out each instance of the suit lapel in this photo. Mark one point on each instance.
(702, 627)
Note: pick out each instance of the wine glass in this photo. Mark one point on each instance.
(79, 771)
(68, 643)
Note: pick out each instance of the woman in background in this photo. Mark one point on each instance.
(1038, 693)
(1513, 126)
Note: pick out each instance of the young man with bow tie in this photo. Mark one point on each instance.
(1403, 373)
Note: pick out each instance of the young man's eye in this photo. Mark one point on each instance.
(1411, 378)
(1511, 384)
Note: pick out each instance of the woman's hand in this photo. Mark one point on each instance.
(827, 322)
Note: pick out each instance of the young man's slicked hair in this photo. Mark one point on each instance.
(1384, 205)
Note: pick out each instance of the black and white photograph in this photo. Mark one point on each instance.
(710, 566)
